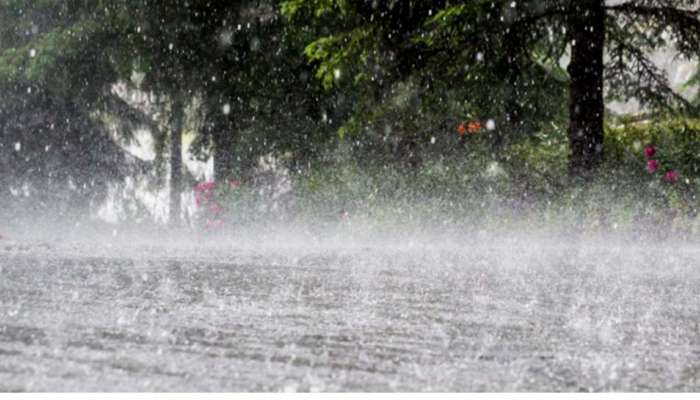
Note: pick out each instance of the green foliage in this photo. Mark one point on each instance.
(427, 47)
(529, 186)
(334, 52)
(505, 55)
(56, 61)
(676, 141)
(291, 8)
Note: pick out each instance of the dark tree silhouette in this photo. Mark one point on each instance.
(586, 104)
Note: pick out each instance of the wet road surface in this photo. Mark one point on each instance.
(530, 318)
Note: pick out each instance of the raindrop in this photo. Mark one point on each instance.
(226, 109)
(226, 38)
(490, 124)
(255, 44)
(32, 53)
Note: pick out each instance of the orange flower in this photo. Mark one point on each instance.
(461, 129)
(473, 127)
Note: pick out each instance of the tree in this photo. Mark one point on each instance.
(586, 104)
(56, 66)
(234, 68)
(627, 32)
(510, 41)
(420, 49)
(241, 61)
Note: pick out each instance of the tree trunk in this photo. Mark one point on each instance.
(586, 105)
(176, 118)
(223, 153)
(510, 70)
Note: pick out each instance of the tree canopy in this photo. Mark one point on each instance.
(510, 55)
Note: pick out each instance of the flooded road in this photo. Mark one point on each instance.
(473, 318)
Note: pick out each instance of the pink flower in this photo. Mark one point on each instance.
(652, 166)
(204, 192)
(201, 198)
(215, 208)
(214, 223)
(671, 176)
(233, 184)
(205, 187)
(649, 151)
